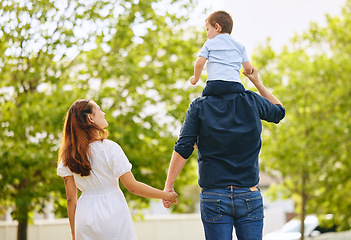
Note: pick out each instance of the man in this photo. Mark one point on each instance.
(226, 127)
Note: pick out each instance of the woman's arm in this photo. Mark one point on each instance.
(144, 190)
(71, 195)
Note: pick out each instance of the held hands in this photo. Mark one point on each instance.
(171, 198)
(193, 81)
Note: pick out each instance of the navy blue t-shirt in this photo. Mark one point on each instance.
(225, 123)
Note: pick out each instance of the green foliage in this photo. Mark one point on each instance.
(141, 78)
(310, 150)
(127, 56)
(31, 102)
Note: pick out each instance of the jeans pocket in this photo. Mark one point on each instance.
(211, 209)
(255, 207)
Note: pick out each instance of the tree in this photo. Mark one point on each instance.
(310, 150)
(122, 55)
(143, 86)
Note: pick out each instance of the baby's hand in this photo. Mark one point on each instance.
(193, 80)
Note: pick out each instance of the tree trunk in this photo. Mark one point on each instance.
(22, 230)
(22, 209)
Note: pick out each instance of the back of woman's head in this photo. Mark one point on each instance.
(78, 133)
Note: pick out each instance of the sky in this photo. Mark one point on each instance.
(255, 20)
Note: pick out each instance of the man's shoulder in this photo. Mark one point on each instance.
(255, 97)
(252, 94)
(198, 100)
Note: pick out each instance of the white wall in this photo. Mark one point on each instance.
(153, 227)
(56, 229)
(333, 236)
(171, 227)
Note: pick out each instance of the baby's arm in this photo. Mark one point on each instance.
(199, 65)
(248, 68)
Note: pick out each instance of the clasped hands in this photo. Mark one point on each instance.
(167, 203)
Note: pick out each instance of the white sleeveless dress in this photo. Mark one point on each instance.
(102, 211)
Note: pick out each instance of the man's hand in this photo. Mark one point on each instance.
(176, 165)
(166, 203)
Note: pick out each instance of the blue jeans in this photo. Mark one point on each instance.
(223, 209)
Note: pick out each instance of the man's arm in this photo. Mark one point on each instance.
(176, 165)
(253, 77)
(184, 147)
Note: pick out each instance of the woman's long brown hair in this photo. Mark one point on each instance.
(78, 133)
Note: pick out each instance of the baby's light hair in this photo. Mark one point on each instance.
(223, 19)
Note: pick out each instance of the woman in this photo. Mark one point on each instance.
(94, 164)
